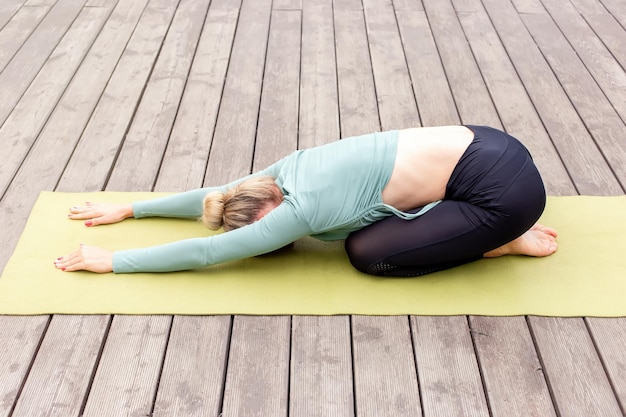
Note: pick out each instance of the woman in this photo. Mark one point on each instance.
(407, 202)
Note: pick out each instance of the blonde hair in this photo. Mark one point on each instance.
(240, 205)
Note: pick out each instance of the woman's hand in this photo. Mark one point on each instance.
(86, 258)
(101, 213)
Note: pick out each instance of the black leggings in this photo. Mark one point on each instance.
(494, 195)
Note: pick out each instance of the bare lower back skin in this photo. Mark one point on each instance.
(424, 163)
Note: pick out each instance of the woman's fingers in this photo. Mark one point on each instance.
(100, 213)
(88, 258)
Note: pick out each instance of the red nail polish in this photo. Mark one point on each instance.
(62, 269)
(88, 223)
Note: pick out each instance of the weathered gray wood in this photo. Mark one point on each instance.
(104, 133)
(321, 367)
(598, 114)
(448, 371)
(617, 8)
(609, 336)
(385, 380)
(277, 131)
(287, 5)
(515, 109)
(13, 35)
(25, 65)
(430, 86)
(396, 103)
(321, 358)
(407, 5)
(515, 383)
(46, 160)
(606, 71)
(472, 99)
(137, 165)
(8, 8)
(604, 26)
(194, 371)
(586, 165)
(61, 373)
(19, 342)
(25, 122)
(195, 367)
(258, 372)
(233, 142)
(577, 379)
(319, 108)
(126, 378)
(260, 384)
(528, 6)
(357, 97)
(184, 163)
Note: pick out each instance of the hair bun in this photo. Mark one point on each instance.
(213, 213)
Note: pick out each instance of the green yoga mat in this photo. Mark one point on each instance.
(586, 277)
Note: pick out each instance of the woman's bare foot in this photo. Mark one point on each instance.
(538, 241)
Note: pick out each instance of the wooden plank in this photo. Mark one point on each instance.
(516, 111)
(19, 341)
(385, 379)
(471, 96)
(233, 143)
(25, 65)
(599, 61)
(23, 125)
(604, 26)
(430, 85)
(260, 346)
(577, 379)
(125, 382)
(321, 367)
(407, 6)
(515, 383)
(321, 356)
(258, 373)
(528, 6)
(584, 162)
(8, 8)
(600, 117)
(136, 165)
(319, 108)
(111, 118)
(277, 133)
(17, 31)
(184, 164)
(193, 374)
(287, 5)
(46, 160)
(610, 338)
(55, 389)
(182, 391)
(617, 8)
(456, 388)
(357, 97)
(397, 108)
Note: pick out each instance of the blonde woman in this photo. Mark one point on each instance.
(407, 203)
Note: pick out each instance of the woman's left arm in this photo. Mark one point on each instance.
(278, 228)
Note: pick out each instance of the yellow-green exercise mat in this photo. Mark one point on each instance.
(586, 277)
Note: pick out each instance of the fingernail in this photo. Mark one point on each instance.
(88, 223)
(59, 258)
(62, 269)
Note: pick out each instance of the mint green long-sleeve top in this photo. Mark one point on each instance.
(329, 192)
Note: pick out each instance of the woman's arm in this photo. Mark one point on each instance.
(278, 228)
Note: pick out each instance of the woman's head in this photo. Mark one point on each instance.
(241, 205)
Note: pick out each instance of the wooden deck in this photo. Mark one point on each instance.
(168, 95)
